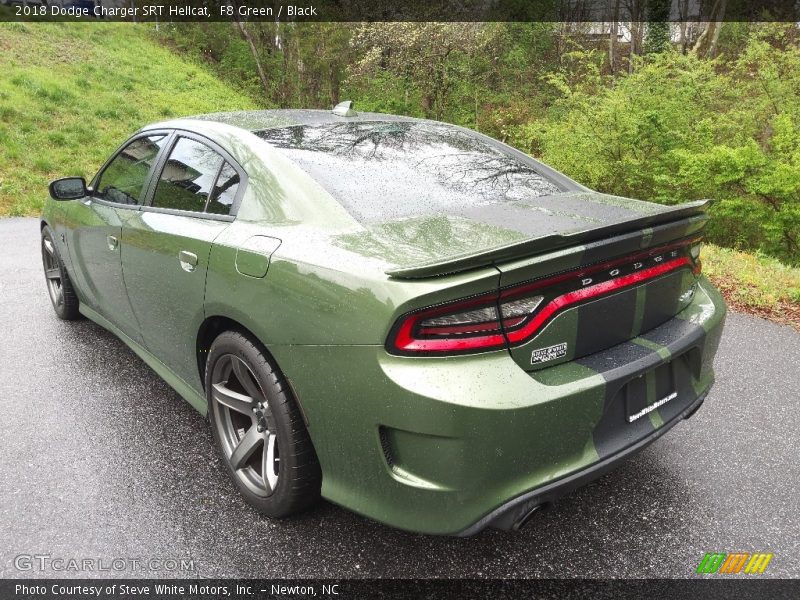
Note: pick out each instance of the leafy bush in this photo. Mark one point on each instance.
(681, 128)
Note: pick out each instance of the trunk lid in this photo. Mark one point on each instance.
(490, 235)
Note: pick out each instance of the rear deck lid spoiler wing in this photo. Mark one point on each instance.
(547, 243)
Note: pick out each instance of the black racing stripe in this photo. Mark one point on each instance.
(631, 243)
(613, 433)
(605, 322)
(667, 233)
(674, 333)
(622, 360)
(677, 376)
(595, 252)
(662, 299)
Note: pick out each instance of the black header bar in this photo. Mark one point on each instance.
(744, 587)
(575, 11)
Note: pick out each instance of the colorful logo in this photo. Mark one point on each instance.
(735, 562)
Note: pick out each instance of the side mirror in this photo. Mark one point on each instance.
(68, 188)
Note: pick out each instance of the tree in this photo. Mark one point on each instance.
(612, 38)
(249, 39)
(706, 44)
(420, 53)
(635, 10)
(658, 26)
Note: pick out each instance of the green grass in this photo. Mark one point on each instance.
(70, 93)
(755, 284)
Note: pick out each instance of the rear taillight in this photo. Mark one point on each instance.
(694, 252)
(464, 326)
(514, 315)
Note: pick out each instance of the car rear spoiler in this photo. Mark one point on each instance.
(547, 243)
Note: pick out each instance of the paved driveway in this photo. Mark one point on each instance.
(101, 459)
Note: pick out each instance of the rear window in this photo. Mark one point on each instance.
(392, 170)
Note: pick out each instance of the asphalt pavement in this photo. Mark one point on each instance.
(101, 460)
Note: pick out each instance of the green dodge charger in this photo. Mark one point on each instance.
(408, 318)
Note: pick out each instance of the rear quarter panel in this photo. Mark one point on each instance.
(340, 299)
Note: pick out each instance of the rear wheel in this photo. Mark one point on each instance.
(62, 294)
(259, 429)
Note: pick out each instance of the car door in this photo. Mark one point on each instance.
(166, 246)
(94, 226)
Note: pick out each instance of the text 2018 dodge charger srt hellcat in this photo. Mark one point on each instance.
(409, 318)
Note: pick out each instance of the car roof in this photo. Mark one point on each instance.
(258, 120)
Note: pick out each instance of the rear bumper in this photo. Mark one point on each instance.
(452, 445)
(514, 514)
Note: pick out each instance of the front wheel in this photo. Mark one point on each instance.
(259, 429)
(62, 294)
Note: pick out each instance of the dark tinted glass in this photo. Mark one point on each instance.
(390, 170)
(187, 177)
(123, 179)
(68, 188)
(224, 191)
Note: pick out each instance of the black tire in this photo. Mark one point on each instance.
(234, 396)
(59, 286)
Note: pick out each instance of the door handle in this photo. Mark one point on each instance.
(113, 242)
(188, 260)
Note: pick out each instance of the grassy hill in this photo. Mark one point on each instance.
(71, 93)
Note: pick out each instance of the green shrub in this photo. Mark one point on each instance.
(680, 128)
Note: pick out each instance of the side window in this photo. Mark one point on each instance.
(188, 176)
(224, 192)
(123, 179)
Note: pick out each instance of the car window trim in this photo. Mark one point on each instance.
(176, 135)
(214, 186)
(148, 180)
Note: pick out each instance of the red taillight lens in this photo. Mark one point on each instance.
(466, 325)
(694, 252)
(514, 315)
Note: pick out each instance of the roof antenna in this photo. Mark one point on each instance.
(345, 109)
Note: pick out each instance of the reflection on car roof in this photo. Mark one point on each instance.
(257, 120)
